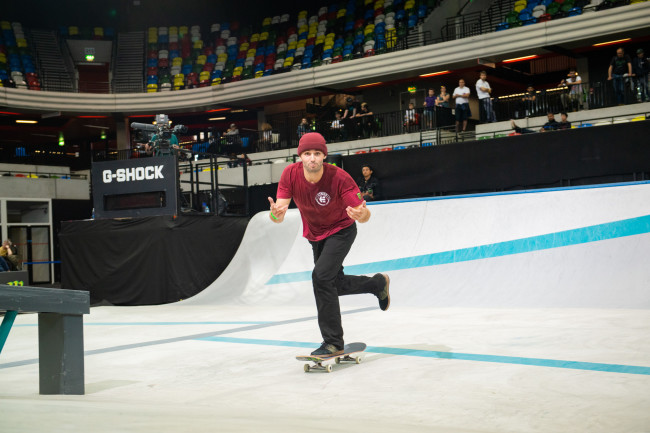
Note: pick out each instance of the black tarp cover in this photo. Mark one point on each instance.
(150, 260)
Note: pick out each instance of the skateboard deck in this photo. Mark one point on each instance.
(319, 361)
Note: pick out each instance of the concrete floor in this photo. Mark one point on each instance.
(438, 360)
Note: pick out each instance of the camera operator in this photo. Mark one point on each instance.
(164, 141)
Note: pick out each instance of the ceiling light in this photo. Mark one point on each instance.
(618, 41)
(521, 59)
(370, 84)
(98, 127)
(435, 73)
(217, 118)
(26, 121)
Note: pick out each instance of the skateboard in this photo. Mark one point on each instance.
(319, 361)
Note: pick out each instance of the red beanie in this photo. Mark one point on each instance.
(312, 141)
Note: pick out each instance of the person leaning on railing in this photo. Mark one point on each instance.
(571, 100)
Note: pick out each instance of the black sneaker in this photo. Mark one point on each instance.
(384, 295)
(327, 350)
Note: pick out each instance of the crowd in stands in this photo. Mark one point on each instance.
(17, 67)
(180, 57)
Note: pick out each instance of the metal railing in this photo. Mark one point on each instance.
(41, 175)
(598, 94)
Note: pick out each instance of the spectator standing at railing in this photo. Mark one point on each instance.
(461, 97)
(484, 92)
(429, 107)
(365, 121)
(338, 132)
(572, 99)
(443, 110)
(232, 130)
(619, 68)
(529, 101)
(266, 134)
(410, 117)
(303, 127)
(348, 117)
(232, 139)
(640, 69)
(443, 98)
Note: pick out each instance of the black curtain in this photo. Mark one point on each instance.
(150, 260)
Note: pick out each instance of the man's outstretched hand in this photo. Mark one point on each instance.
(359, 213)
(278, 210)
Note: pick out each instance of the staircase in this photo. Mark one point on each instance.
(495, 14)
(477, 23)
(55, 65)
(128, 72)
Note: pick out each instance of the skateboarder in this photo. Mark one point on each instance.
(329, 202)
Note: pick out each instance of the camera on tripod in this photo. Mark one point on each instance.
(158, 135)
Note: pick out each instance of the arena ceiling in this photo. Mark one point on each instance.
(132, 15)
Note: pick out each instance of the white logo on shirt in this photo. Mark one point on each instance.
(323, 198)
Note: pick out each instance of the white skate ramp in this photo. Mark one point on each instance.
(455, 352)
(584, 247)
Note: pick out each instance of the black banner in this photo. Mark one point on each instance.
(581, 156)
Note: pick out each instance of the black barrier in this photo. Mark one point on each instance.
(135, 187)
(145, 261)
(602, 154)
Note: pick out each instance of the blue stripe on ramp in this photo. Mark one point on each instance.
(600, 232)
(536, 362)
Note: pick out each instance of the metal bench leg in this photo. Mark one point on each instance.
(61, 353)
(7, 323)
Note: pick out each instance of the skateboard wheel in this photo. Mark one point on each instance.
(357, 360)
(338, 360)
(306, 368)
(328, 368)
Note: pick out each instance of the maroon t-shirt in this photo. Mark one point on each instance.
(322, 205)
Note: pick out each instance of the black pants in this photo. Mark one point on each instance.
(330, 282)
